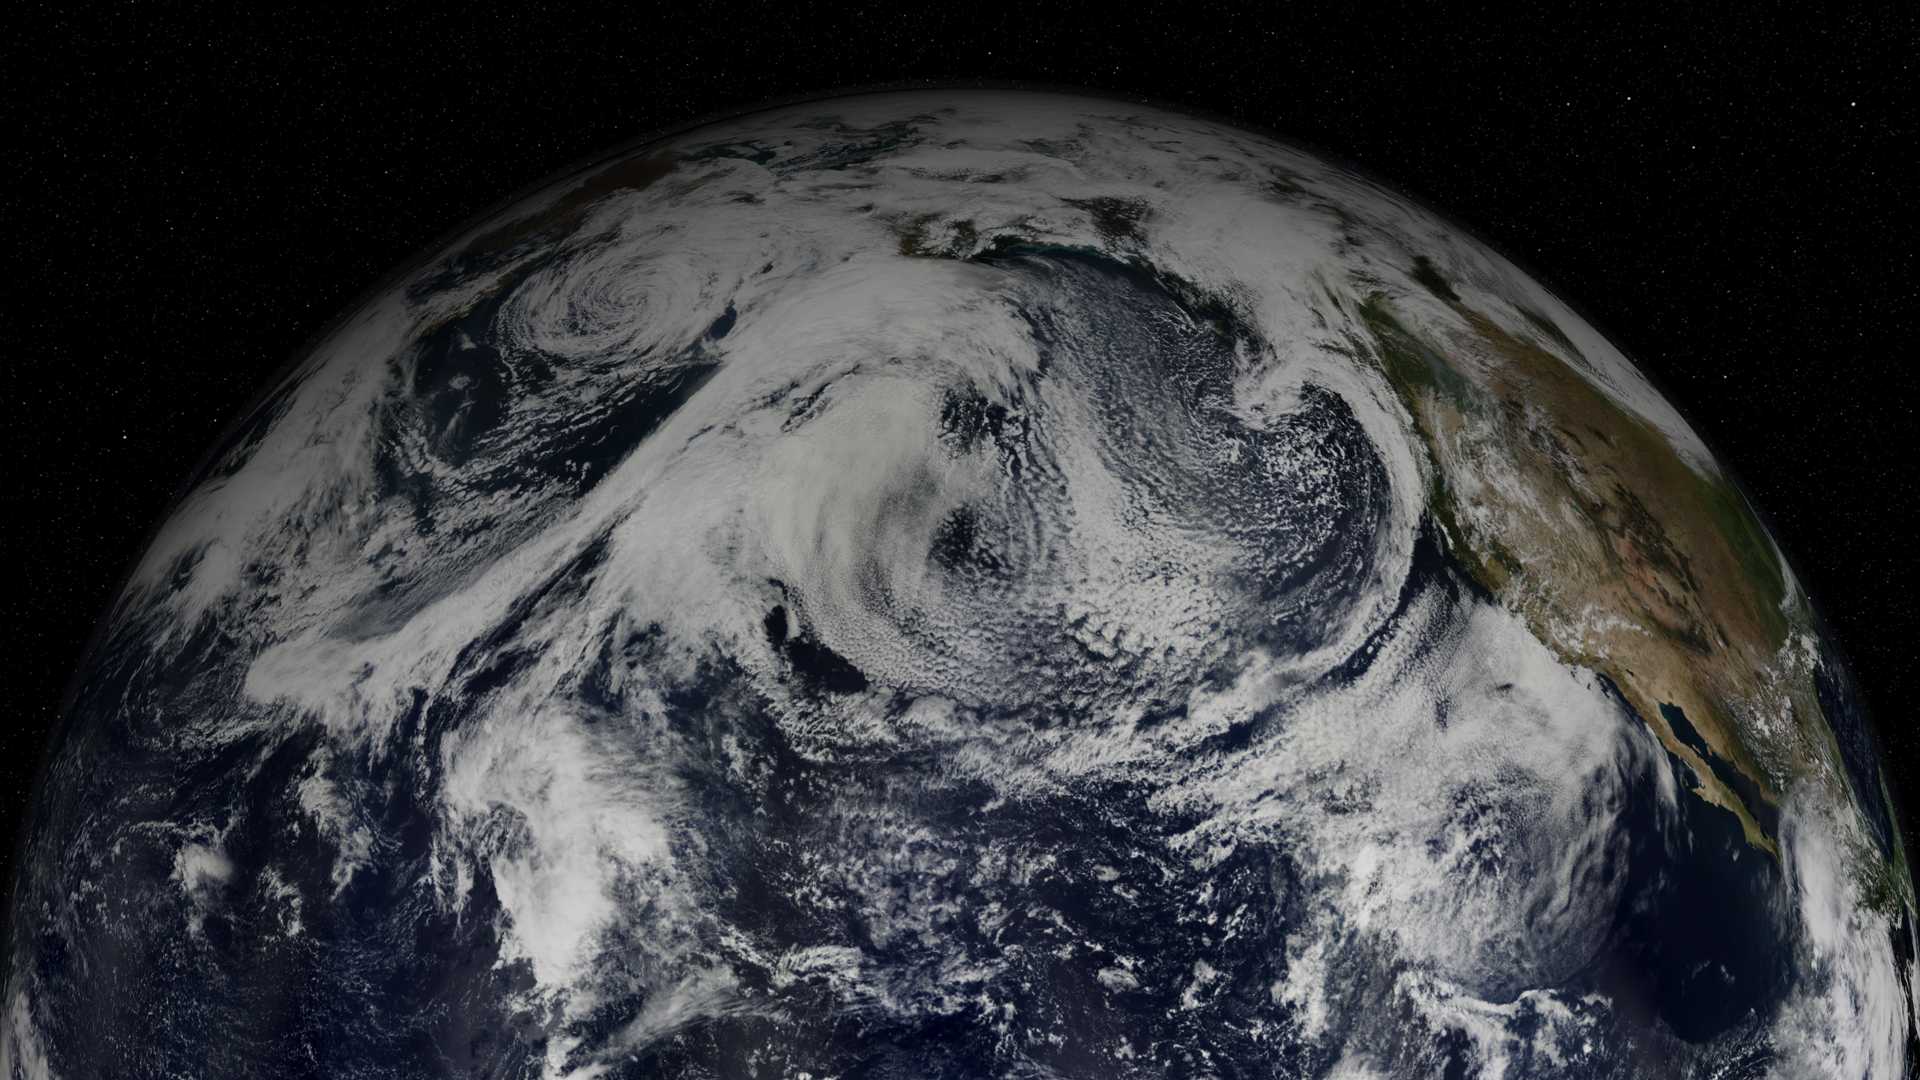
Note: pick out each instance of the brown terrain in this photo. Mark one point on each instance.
(1583, 518)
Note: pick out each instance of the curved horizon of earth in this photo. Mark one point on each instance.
(962, 583)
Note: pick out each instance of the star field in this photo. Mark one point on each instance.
(1725, 196)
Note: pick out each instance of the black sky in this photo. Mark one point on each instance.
(1726, 196)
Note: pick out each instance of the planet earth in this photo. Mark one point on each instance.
(962, 584)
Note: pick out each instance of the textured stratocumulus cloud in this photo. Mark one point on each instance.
(753, 537)
(201, 870)
(21, 1052)
(1523, 771)
(584, 818)
(1851, 1018)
